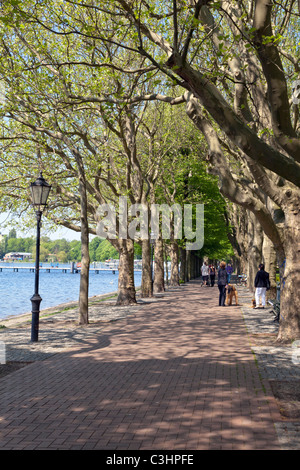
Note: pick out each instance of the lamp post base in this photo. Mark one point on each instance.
(35, 301)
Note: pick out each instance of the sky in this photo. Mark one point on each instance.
(62, 232)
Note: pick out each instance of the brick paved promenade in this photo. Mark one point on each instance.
(178, 373)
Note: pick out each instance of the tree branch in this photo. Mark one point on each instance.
(273, 70)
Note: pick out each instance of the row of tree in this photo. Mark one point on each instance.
(137, 99)
(60, 250)
(93, 154)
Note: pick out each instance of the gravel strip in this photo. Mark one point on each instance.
(278, 364)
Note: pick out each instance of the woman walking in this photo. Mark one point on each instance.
(222, 283)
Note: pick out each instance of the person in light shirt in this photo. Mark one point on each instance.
(205, 272)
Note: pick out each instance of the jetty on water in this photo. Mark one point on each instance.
(71, 269)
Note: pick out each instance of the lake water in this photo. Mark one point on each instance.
(55, 287)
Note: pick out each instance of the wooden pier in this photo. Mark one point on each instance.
(48, 269)
(52, 269)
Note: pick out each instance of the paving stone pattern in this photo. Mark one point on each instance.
(175, 372)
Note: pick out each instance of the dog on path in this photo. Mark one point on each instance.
(231, 292)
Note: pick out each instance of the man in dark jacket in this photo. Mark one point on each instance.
(261, 283)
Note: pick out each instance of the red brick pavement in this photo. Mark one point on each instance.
(179, 374)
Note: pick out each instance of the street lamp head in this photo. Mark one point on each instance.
(40, 190)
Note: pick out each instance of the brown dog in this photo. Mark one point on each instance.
(231, 292)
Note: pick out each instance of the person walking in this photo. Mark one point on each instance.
(229, 270)
(212, 275)
(204, 272)
(262, 284)
(222, 283)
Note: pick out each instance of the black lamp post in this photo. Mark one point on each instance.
(39, 193)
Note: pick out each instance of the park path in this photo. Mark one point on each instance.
(176, 374)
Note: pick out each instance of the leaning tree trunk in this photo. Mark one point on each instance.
(286, 245)
(174, 254)
(85, 258)
(126, 287)
(146, 287)
(289, 326)
(159, 278)
(236, 221)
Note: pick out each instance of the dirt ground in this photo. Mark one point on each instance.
(267, 339)
(287, 394)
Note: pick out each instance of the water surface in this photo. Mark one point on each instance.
(56, 287)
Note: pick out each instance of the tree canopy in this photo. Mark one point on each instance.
(78, 77)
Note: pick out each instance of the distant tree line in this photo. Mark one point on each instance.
(60, 250)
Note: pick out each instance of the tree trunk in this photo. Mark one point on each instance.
(174, 253)
(188, 265)
(232, 216)
(159, 280)
(289, 327)
(241, 227)
(254, 250)
(195, 265)
(183, 271)
(85, 258)
(199, 267)
(166, 263)
(270, 262)
(192, 263)
(126, 287)
(146, 287)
